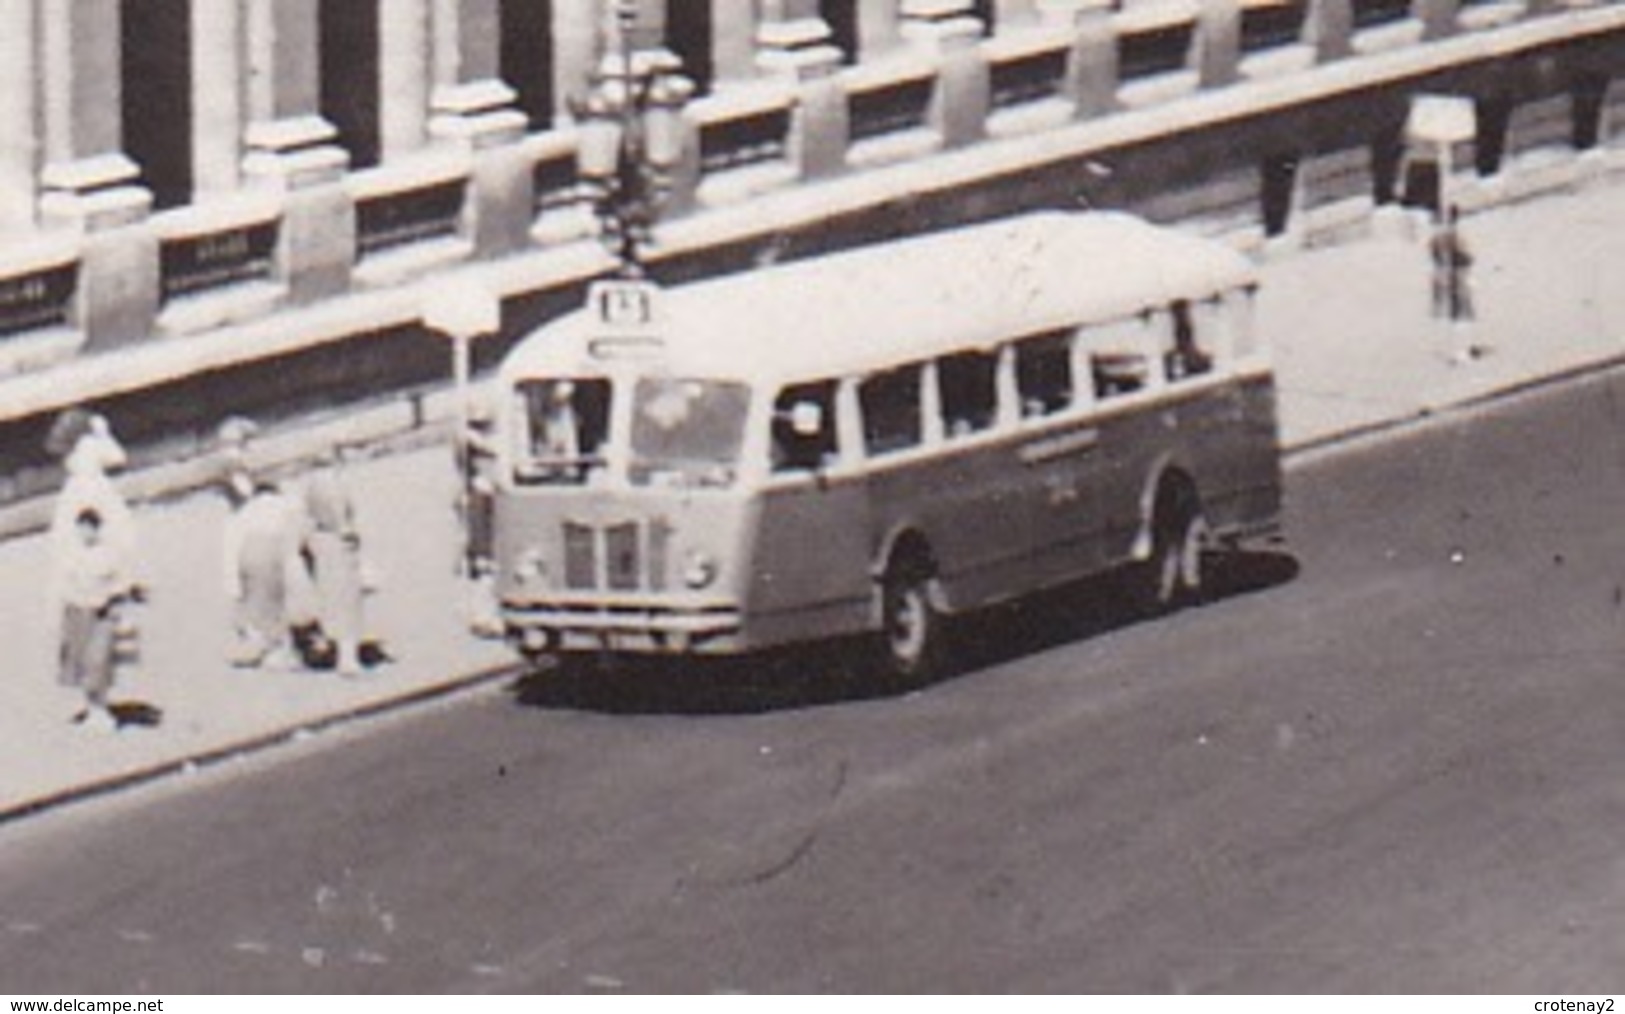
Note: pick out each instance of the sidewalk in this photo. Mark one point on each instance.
(1356, 352)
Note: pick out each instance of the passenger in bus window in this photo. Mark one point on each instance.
(1186, 358)
(1044, 375)
(558, 437)
(568, 422)
(969, 389)
(804, 427)
(890, 403)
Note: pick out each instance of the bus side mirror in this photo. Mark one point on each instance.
(806, 419)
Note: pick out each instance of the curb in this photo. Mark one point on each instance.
(1341, 440)
(264, 741)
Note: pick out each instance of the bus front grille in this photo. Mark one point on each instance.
(625, 556)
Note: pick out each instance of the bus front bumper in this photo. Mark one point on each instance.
(540, 629)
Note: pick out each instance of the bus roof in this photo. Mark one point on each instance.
(865, 309)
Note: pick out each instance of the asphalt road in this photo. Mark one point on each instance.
(1394, 761)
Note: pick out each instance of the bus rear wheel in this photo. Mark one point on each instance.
(1173, 575)
(911, 626)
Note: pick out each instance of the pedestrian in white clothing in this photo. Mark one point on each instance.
(261, 565)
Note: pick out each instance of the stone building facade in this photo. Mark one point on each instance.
(171, 167)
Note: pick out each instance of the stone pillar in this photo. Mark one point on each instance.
(733, 40)
(219, 105)
(1329, 27)
(291, 151)
(1091, 64)
(1438, 17)
(88, 185)
(284, 76)
(1008, 13)
(576, 47)
(474, 112)
(800, 51)
(19, 116)
(963, 94)
(1216, 43)
(879, 27)
(404, 71)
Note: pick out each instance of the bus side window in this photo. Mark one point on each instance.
(968, 383)
(1044, 373)
(804, 427)
(1117, 356)
(890, 403)
(1183, 356)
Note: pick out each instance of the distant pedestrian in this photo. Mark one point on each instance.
(1452, 288)
(333, 550)
(90, 454)
(261, 573)
(1452, 264)
(93, 589)
(477, 507)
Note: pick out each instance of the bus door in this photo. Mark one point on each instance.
(1060, 459)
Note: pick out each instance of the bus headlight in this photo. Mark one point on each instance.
(530, 567)
(699, 569)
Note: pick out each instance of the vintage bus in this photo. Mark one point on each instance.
(879, 439)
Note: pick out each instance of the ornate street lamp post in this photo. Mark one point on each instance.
(631, 139)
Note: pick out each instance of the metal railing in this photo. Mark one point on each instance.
(37, 298)
(388, 220)
(890, 107)
(192, 264)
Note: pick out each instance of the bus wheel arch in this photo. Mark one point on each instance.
(1174, 537)
(911, 607)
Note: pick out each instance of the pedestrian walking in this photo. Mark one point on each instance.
(476, 508)
(90, 452)
(1452, 286)
(261, 574)
(1452, 262)
(333, 550)
(93, 591)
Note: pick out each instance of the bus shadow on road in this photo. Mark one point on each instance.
(849, 670)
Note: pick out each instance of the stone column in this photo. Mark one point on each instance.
(474, 113)
(576, 47)
(1438, 17)
(1008, 13)
(733, 40)
(219, 104)
(963, 94)
(1216, 44)
(879, 29)
(1091, 64)
(19, 116)
(1330, 29)
(88, 184)
(798, 49)
(404, 72)
(291, 151)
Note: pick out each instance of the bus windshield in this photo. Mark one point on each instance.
(687, 433)
(566, 422)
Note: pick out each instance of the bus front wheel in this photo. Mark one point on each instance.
(911, 625)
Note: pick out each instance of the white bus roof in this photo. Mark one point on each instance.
(873, 307)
